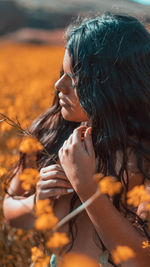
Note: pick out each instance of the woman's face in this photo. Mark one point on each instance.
(71, 109)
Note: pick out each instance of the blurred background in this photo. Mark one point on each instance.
(43, 21)
(31, 54)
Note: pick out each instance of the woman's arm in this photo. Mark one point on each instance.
(19, 210)
(77, 159)
(115, 230)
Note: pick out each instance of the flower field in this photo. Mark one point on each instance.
(27, 77)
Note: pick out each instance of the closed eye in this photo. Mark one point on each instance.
(69, 74)
(72, 79)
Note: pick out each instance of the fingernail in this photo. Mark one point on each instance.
(70, 190)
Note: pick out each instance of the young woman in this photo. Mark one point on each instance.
(105, 85)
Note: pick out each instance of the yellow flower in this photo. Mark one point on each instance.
(30, 145)
(12, 142)
(45, 216)
(137, 195)
(122, 253)
(5, 127)
(43, 206)
(78, 260)
(45, 221)
(38, 257)
(3, 171)
(29, 178)
(42, 262)
(11, 160)
(19, 232)
(97, 177)
(148, 207)
(36, 253)
(57, 240)
(145, 244)
(109, 185)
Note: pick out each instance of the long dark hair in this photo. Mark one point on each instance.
(110, 58)
(111, 63)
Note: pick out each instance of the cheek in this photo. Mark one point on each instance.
(78, 110)
(81, 112)
(74, 112)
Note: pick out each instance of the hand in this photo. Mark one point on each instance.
(77, 158)
(141, 210)
(53, 183)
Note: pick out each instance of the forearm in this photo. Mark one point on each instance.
(19, 212)
(115, 230)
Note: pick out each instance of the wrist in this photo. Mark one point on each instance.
(86, 191)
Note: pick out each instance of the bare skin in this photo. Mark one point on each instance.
(72, 173)
(113, 228)
(20, 213)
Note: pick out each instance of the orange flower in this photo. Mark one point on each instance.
(12, 142)
(78, 260)
(43, 206)
(122, 253)
(98, 176)
(36, 253)
(42, 262)
(148, 207)
(19, 232)
(57, 240)
(145, 244)
(3, 171)
(45, 221)
(30, 145)
(109, 185)
(5, 127)
(29, 178)
(38, 257)
(137, 195)
(45, 216)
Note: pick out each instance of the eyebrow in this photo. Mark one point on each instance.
(68, 73)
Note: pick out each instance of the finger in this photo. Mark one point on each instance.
(70, 140)
(88, 141)
(77, 135)
(65, 144)
(141, 211)
(59, 183)
(51, 168)
(65, 148)
(52, 175)
(43, 194)
(60, 154)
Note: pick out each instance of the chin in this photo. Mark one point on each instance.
(66, 115)
(69, 117)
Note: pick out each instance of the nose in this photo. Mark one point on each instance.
(61, 86)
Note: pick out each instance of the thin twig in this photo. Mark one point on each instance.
(21, 130)
(77, 210)
(14, 124)
(72, 214)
